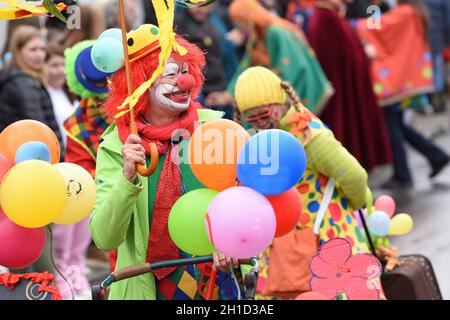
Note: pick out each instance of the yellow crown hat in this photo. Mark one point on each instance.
(258, 86)
(142, 41)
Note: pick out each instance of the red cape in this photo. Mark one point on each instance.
(352, 113)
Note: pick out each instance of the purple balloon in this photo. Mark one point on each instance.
(19, 246)
(241, 222)
(358, 218)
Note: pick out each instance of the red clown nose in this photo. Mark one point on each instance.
(186, 82)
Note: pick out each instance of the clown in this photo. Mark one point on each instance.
(131, 210)
(331, 169)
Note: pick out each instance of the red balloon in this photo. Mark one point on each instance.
(311, 296)
(5, 165)
(288, 208)
(19, 247)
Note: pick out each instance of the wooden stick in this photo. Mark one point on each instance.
(154, 157)
(123, 25)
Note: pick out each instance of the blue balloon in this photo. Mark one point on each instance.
(379, 223)
(114, 33)
(33, 150)
(107, 55)
(272, 162)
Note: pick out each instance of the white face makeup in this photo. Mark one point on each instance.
(165, 90)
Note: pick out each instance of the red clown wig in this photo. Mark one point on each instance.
(142, 70)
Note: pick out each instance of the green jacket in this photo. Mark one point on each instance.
(327, 156)
(121, 215)
(120, 218)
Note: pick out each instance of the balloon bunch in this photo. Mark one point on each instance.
(36, 190)
(250, 197)
(382, 221)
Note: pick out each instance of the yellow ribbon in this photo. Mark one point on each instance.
(167, 41)
(9, 12)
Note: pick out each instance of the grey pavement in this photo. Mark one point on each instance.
(428, 202)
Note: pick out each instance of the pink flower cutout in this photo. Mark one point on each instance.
(335, 270)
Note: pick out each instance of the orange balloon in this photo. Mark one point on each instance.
(20, 132)
(213, 152)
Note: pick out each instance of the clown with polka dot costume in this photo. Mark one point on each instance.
(265, 102)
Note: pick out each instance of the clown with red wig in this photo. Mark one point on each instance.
(131, 211)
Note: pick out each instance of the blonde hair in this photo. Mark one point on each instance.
(292, 95)
(20, 37)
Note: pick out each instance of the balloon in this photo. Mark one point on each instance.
(33, 194)
(114, 33)
(378, 223)
(80, 193)
(20, 132)
(5, 166)
(272, 162)
(107, 55)
(311, 296)
(33, 150)
(213, 151)
(187, 222)
(20, 247)
(241, 222)
(385, 204)
(401, 224)
(288, 208)
(2, 215)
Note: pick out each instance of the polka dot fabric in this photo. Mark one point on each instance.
(339, 220)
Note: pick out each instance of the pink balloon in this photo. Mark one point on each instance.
(385, 204)
(19, 247)
(241, 222)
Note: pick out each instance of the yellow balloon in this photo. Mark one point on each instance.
(80, 195)
(33, 194)
(401, 224)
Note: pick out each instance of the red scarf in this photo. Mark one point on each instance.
(160, 245)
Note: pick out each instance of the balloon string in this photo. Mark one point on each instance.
(54, 264)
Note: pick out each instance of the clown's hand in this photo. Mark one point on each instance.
(132, 153)
(236, 36)
(221, 262)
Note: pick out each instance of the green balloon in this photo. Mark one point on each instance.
(187, 226)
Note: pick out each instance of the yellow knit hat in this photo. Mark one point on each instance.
(258, 86)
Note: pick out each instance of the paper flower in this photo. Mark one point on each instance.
(335, 270)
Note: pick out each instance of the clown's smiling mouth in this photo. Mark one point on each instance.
(178, 96)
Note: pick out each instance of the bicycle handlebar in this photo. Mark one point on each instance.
(144, 268)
